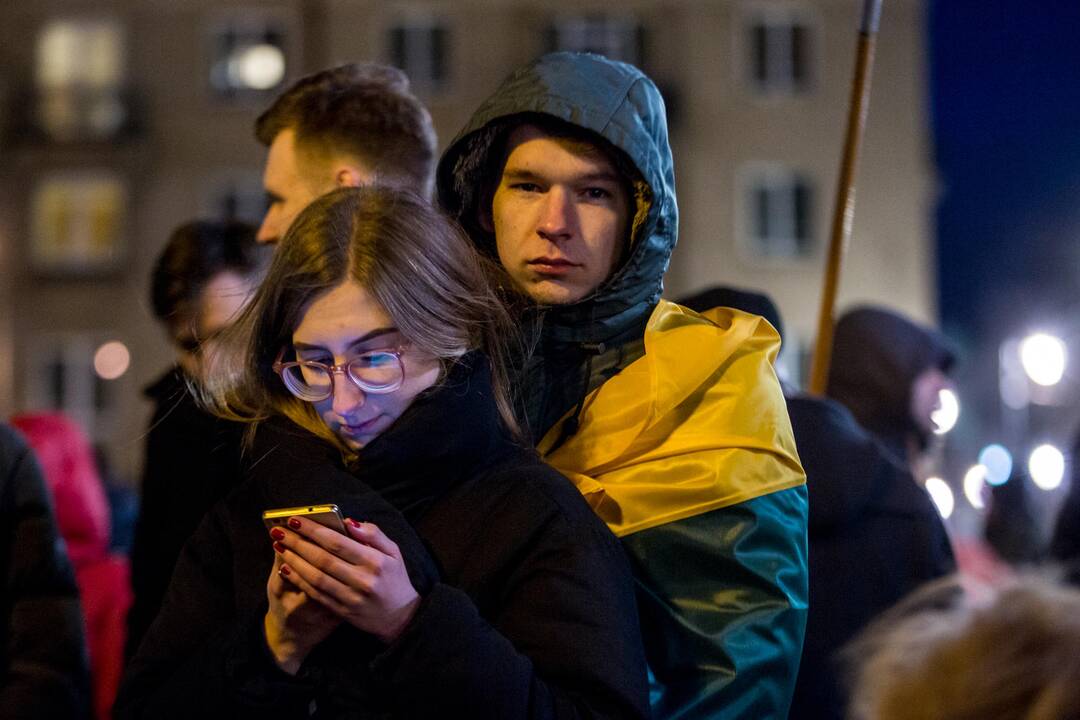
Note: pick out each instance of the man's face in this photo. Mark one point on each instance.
(560, 215)
(291, 183)
(215, 309)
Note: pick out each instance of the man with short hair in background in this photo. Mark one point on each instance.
(344, 127)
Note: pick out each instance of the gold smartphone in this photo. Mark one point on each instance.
(327, 515)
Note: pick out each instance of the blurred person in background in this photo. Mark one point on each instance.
(82, 512)
(201, 280)
(889, 372)
(43, 659)
(961, 651)
(672, 425)
(874, 534)
(1011, 529)
(343, 127)
(1065, 542)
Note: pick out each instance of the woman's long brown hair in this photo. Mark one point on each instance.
(416, 262)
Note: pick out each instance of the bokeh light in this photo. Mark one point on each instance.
(947, 413)
(1046, 465)
(260, 67)
(112, 360)
(998, 463)
(942, 495)
(1043, 358)
(974, 482)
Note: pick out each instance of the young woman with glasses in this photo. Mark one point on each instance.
(471, 579)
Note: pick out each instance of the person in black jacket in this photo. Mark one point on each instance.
(201, 279)
(44, 670)
(372, 365)
(874, 535)
(1065, 541)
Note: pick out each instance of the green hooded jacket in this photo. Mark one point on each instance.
(722, 594)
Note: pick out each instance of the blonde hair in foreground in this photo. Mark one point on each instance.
(946, 653)
(417, 263)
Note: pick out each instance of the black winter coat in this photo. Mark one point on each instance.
(874, 536)
(43, 664)
(192, 461)
(527, 610)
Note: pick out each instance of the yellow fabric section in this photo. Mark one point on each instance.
(697, 423)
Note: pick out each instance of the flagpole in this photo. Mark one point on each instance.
(844, 210)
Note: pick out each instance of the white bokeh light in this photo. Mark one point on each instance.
(974, 482)
(942, 495)
(998, 463)
(112, 360)
(260, 67)
(1043, 358)
(1046, 465)
(947, 413)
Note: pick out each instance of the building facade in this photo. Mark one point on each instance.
(123, 118)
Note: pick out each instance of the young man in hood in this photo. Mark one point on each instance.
(671, 424)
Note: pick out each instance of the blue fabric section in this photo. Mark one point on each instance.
(723, 603)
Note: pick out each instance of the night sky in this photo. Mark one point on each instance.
(1005, 97)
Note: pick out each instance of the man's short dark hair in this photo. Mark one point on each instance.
(197, 252)
(364, 109)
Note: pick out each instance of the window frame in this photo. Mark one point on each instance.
(772, 176)
(779, 16)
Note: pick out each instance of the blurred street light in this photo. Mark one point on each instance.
(1043, 357)
(974, 482)
(260, 67)
(112, 360)
(998, 463)
(947, 413)
(942, 495)
(1046, 465)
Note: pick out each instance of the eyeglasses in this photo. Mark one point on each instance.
(377, 372)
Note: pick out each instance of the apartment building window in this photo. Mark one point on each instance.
(79, 76)
(77, 220)
(779, 212)
(779, 47)
(619, 37)
(420, 47)
(66, 378)
(248, 58)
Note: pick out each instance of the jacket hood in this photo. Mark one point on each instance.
(617, 102)
(877, 354)
(67, 461)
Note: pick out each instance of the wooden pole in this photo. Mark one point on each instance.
(844, 211)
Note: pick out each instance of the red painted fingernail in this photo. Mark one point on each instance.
(279, 547)
(355, 523)
(277, 534)
(285, 570)
(294, 523)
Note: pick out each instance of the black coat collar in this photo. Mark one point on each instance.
(449, 433)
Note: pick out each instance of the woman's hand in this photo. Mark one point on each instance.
(360, 578)
(295, 623)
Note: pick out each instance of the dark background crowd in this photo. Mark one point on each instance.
(939, 462)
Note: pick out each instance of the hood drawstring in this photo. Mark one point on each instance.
(571, 424)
